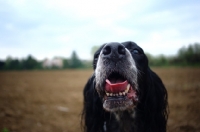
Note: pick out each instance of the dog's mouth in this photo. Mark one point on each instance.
(119, 93)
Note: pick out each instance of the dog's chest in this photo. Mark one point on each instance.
(120, 122)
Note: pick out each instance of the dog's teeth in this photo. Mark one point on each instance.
(126, 91)
(120, 93)
(127, 88)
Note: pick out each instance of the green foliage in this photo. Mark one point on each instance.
(30, 63)
(160, 60)
(94, 49)
(186, 56)
(66, 63)
(25, 64)
(189, 55)
(75, 62)
(2, 64)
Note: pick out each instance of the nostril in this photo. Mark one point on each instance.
(114, 50)
(121, 50)
(107, 50)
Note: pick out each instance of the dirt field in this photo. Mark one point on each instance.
(51, 101)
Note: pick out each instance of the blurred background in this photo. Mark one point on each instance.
(46, 51)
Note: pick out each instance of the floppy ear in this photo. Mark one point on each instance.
(153, 107)
(93, 109)
(160, 109)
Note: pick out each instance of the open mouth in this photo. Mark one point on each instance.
(119, 93)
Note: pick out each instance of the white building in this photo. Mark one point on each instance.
(56, 62)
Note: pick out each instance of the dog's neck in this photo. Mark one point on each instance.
(125, 119)
(123, 115)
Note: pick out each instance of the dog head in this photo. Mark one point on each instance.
(117, 68)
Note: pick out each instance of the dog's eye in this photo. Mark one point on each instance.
(135, 51)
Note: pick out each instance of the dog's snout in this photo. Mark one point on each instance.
(113, 50)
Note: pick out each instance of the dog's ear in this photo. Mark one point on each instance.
(93, 113)
(161, 104)
(154, 107)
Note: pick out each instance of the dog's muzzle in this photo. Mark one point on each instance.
(116, 78)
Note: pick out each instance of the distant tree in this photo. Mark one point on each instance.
(189, 55)
(8, 63)
(15, 64)
(12, 64)
(94, 49)
(75, 62)
(66, 63)
(150, 58)
(160, 60)
(186, 56)
(30, 63)
(2, 65)
(196, 50)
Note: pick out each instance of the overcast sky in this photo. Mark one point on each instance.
(48, 28)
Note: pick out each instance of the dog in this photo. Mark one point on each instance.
(124, 94)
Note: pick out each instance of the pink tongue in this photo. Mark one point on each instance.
(116, 87)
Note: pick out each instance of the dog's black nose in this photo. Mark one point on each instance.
(114, 50)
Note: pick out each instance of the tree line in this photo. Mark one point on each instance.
(30, 63)
(186, 56)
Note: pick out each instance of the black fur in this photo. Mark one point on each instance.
(151, 111)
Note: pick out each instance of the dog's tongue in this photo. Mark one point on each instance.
(115, 87)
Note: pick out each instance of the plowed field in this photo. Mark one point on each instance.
(51, 101)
